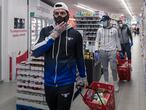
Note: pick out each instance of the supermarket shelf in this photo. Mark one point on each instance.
(25, 66)
(37, 63)
(30, 85)
(30, 97)
(39, 58)
(34, 79)
(30, 90)
(25, 103)
(25, 73)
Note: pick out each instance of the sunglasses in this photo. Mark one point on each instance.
(61, 13)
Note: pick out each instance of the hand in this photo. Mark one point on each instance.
(82, 82)
(96, 55)
(119, 50)
(122, 56)
(58, 29)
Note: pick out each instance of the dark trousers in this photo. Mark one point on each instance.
(126, 48)
(59, 98)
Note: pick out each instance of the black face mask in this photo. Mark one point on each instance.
(60, 19)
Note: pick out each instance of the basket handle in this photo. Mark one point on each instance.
(87, 87)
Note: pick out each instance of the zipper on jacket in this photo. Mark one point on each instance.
(56, 66)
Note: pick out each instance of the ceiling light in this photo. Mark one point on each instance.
(125, 5)
(85, 7)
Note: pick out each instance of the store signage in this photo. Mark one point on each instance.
(32, 14)
(19, 23)
(18, 33)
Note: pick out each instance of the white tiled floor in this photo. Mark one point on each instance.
(132, 95)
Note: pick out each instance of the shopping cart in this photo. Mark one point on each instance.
(97, 88)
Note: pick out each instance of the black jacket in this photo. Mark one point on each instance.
(62, 56)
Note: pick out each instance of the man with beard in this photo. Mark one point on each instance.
(62, 49)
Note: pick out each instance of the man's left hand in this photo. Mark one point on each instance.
(82, 82)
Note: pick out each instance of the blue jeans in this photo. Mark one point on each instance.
(126, 48)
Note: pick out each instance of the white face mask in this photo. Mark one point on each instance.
(120, 25)
(105, 23)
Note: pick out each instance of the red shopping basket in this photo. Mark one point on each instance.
(124, 72)
(120, 61)
(123, 68)
(92, 89)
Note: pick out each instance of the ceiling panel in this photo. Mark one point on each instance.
(113, 6)
(135, 6)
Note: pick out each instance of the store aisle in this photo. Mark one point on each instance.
(132, 95)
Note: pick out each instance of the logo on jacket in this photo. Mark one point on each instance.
(65, 95)
(69, 38)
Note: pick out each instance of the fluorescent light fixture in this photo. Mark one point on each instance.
(125, 5)
(85, 7)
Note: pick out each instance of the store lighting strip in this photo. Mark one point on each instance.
(125, 5)
(85, 7)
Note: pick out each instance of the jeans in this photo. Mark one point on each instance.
(126, 48)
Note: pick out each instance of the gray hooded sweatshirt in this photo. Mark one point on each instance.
(125, 35)
(107, 39)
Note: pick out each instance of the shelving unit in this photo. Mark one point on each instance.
(30, 84)
(89, 25)
(143, 40)
(36, 24)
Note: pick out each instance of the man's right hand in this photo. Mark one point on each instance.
(58, 29)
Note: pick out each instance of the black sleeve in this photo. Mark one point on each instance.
(42, 44)
(42, 36)
(130, 34)
(45, 32)
(79, 55)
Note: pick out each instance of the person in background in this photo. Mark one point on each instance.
(62, 48)
(126, 39)
(137, 31)
(106, 46)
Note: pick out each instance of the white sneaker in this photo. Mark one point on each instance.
(116, 86)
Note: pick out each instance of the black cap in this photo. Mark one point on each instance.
(105, 18)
